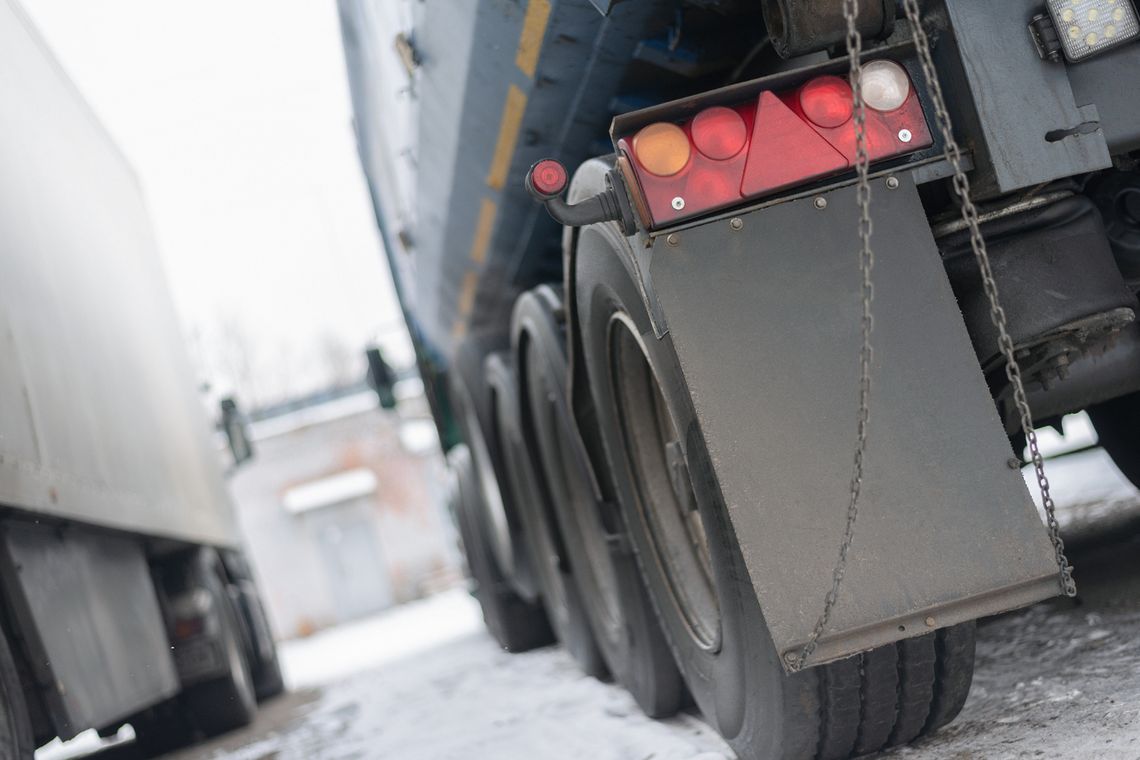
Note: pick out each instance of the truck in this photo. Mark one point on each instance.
(125, 596)
(738, 318)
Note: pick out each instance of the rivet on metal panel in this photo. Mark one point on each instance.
(821, 202)
(790, 658)
(930, 622)
(678, 203)
(736, 223)
(673, 239)
(905, 135)
(892, 183)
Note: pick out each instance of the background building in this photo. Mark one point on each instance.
(341, 510)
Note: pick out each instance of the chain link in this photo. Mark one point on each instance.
(961, 184)
(997, 313)
(866, 265)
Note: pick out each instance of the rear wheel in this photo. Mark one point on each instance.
(518, 625)
(161, 729)
(694, 569)
(1117, 424)
(229, 702)
(268, 680)
(530, 494)
(612, 593)
(15, 727)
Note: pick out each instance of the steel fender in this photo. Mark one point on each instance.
(765, 323)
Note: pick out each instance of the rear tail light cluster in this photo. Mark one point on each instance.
(780, 140)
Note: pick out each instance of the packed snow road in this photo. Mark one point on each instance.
(1059, 680)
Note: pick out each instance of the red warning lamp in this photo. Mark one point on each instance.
(719, 132)
(827, 101)
(548, 177)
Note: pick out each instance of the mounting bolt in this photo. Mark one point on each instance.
(673, 239)
(678, 203)
(736, 223)
(930, 622)
(791, 658)
(821, 202)
(1014, 463)
(892, 183)
(905, 135)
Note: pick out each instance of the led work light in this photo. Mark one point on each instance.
(1085, 28)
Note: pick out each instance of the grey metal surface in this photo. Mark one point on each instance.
(947, 529)
(91, 622)
(1005, 99)
(99, 417)
(1108, 83)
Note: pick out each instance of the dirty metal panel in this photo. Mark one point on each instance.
(1006, 100)
(87, 608)
(1106, 82)
(765, 322)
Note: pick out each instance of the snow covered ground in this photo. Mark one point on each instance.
(424, 682)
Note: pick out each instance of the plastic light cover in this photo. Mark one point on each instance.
(1088, 27)
(886, 85)
(768, 143)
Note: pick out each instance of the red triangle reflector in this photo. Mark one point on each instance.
(785, 151)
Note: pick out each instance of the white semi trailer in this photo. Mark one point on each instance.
(124, 594)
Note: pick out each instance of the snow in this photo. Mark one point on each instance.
(402, 633)
(426, 682)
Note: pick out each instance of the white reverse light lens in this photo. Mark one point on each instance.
(885, 85)
(1088, 27)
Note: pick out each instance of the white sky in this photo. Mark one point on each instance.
(236, 116)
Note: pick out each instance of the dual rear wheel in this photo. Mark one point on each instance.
(691, 562)
(637, 564)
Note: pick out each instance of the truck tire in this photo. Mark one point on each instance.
(1117, 424)
(502, 527)
(693, 567)
(516, 624)
(16, 740)
(558, 589)
(614, 598)
(268, 680)
(228, 702)
(161, 729)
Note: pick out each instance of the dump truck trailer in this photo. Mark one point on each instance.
(125, 593)
(741, 413)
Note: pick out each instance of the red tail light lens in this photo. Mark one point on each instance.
(726, 155)
(826, 101)
(719, 133)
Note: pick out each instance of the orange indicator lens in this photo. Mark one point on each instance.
(662, 148)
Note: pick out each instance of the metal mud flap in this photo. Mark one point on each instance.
(764, 313)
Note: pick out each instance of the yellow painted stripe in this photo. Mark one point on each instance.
(533, 32)
(483, 228)
(466, 298)
(509, 125)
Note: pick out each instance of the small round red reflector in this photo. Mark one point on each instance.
(719, 132)
(827, 101)
(548, 177)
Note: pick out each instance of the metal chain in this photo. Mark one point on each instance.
(866, 265)
(997, 313)
(953, 155)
